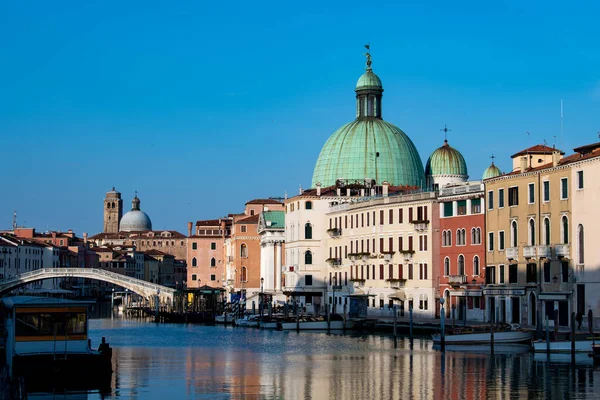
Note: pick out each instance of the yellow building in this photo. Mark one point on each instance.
(528, 240)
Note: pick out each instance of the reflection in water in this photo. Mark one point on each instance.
(163, 361)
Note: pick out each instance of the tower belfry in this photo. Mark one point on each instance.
(113, 211)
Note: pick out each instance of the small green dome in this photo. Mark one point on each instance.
(491, 172)
(369, 80)
(369, 148)
(446, 160)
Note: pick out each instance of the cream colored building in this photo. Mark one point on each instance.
(528, 239)
(585, 229)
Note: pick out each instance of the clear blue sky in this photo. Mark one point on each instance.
(202, 106)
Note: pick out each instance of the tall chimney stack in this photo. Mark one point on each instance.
(190, 225)
(318, 188)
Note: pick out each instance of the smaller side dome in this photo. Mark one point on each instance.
(445, 166)
(491, 172)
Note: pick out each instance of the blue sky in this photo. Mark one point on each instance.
(202, 106)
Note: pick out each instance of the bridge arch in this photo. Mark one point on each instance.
(147, 290)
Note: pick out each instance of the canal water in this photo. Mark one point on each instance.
(177, 361)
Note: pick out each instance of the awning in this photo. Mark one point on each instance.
(359, 293)
(556, 296)
(398, 295)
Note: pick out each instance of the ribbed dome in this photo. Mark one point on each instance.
(135, 220)
(368, 80)
(369, 148)
(446, 160)
(491, 172)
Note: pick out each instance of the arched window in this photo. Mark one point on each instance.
(461, 265)
(580, 243)
(449, 238)
(532, 232)
(546, 231)
(243, 250)
(213, 262)
(308, 257)
(194, 262)
(308, 205)
(476, 265)
(473, 236)
(514, 232)
(244, 275)
(308, 231)
(446, 266)
(464, 236)
(113, 205)
(565, 229)
(478, 235)
(108, 206)
(458, 242)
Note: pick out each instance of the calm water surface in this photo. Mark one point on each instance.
(170, 361)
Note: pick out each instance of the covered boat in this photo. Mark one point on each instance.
(483, 335)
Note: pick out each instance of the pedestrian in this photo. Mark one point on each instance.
(579, 319)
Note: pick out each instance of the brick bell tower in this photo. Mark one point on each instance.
(113, 211)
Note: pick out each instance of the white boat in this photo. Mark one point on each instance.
(318, 323)
(249, 321)
(46, 339)
(477, 337)
(224, 318)
(563, 346)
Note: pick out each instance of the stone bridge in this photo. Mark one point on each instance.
(145, 289)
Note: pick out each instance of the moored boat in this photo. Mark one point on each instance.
(477, 335)
(562, 346)
(315, 323)
(248, 321)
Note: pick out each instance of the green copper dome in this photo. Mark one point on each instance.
(446, 160)
(491, 172)
(368, 147)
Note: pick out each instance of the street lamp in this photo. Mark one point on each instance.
(334, 285)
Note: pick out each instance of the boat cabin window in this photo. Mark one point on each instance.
(50, 323)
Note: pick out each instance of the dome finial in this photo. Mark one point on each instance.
(492, 157)
(445, 130)
(368, 55)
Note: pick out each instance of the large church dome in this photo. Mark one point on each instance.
(369, 147)
(445, 166)
(135, 220)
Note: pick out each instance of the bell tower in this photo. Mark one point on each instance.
(113, 211)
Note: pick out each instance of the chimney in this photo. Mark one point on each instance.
(386, 186)
(70, 231)
(348, 192)
(523, 163)
(84, 237)
(555, 157)
(339, 191)
(362, 192)
(190, 224)
(318, 188)
(53, 235)
(223, 227)
(372, 192)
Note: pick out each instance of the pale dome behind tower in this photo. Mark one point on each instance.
(135, 220)
(369, 147)
(491, 172)
(445, 166)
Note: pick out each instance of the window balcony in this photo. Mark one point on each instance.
(334, 232)
(407, 255)
(396, 283)
(562, 251)
(544, 252)
(357, 282)
(457, 279)
(421, 225)
(512, 253)
(334, 262)
(529, 251)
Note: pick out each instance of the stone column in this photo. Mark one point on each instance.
(278, 266)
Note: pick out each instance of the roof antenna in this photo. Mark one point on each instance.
(15, 220)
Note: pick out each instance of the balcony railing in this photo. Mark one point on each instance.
(407, 255)
(334, 262)
(512, 253)
(544, 252)
(334, 232)
(562, 250)
(457, 279)
(420, 225)
(529, 251)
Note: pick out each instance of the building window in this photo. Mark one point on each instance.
(213, 277)
(512, 273)
(547, 272)
(308, 205)
(244, 275)
(461, 265)
(546, 191)
(531, 232)
(446, 266)
(490, 275)
(308, 257)
(500, 198)
(476, 265)
(513, 196)
(501, 274)
(462, 207)
(531, 273)
(564, 189)
(194, 246)
(243, 229)
(579, 179)
(547, 231)
(251, 212)
(531, 192)
(490, 200)
(514, 230)
(194, 262)
(243, 250)
(501, 240)
(565, 229)
(475, 206)
(308, 231)
(213, 262)
(490, 241)
(308, 280)
(448, 209)
(194, 277)
(580, 244)
(213, 246)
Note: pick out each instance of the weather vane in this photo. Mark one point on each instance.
(492, 157)
(446, 130)
(368, 55)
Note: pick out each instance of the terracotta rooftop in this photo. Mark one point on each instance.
(537, 149)
(264, 201)
(253, 219)
(565, 160)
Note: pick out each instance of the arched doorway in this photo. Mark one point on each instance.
(531, 318)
